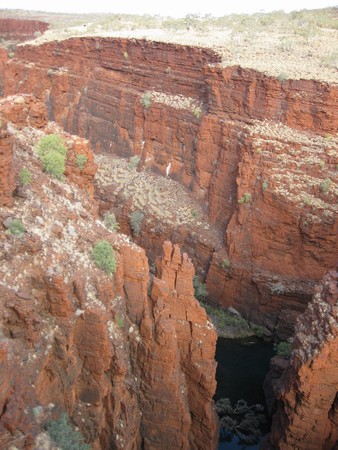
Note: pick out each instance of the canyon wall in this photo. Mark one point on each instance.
(255, 151)
(307, 413)
(21, 30)
(131, 370)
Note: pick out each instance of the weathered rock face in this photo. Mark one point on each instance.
(131, 371)
(7, 185)
(21, 29)
(307, 414)
(248, 146)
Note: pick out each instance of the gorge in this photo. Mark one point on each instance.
(250, 196)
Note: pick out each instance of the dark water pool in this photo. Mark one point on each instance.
(242, 366)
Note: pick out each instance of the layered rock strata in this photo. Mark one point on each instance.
(259, 154)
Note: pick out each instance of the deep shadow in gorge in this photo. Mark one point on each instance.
(242, 365)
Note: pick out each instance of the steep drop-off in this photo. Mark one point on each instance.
(258, 153)
(307, 414)
(131, 370)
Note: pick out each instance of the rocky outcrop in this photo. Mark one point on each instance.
(21, 30)
(7, 184)
(131, 370)
(307, 414)
(249, 147)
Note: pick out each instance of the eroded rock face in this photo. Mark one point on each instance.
(307, 414)
(7, 184)
(131, 371)
(258, 153)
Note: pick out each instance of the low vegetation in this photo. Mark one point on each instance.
(246, 198)
(146, 99)
(283, 349)
(110, 221)
(200, 288)
(16, 227)
(136, 218)
(104, 256)
(64, 436)
(81, 161)
(25, 176)
(53, 153)
(133, 162)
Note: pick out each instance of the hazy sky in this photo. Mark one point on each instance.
(176, 8)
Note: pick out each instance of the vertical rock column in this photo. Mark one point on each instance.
(177, 359)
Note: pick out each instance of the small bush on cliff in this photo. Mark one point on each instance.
(200, 288)
(63, 434)
(52, 152)
(110, 221)
(104, 257)
(283, 349)
(146, 99)
(133, 162)
(25, 176)
(245, 199)
(136, 218)
(324, 186)
(81, 161)
(16, 227)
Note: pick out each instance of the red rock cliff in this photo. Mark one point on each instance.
(131, 371)
(307, 415)
(21, 29)
(249, 147)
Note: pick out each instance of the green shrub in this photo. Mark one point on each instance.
(283, 349)
(104, 257)
(81, 161)
(146, 99)
(110, 221)
(25, 177)
(197, 112)
(51, 142)
(245, 199)
(65, 437)
(52, 152)
(258, 330)
(136, 218)
(200, 288)
(133, 162)
(16, 227)
(54, 164)
(324, 186)
(225, 264)
(264, 185)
